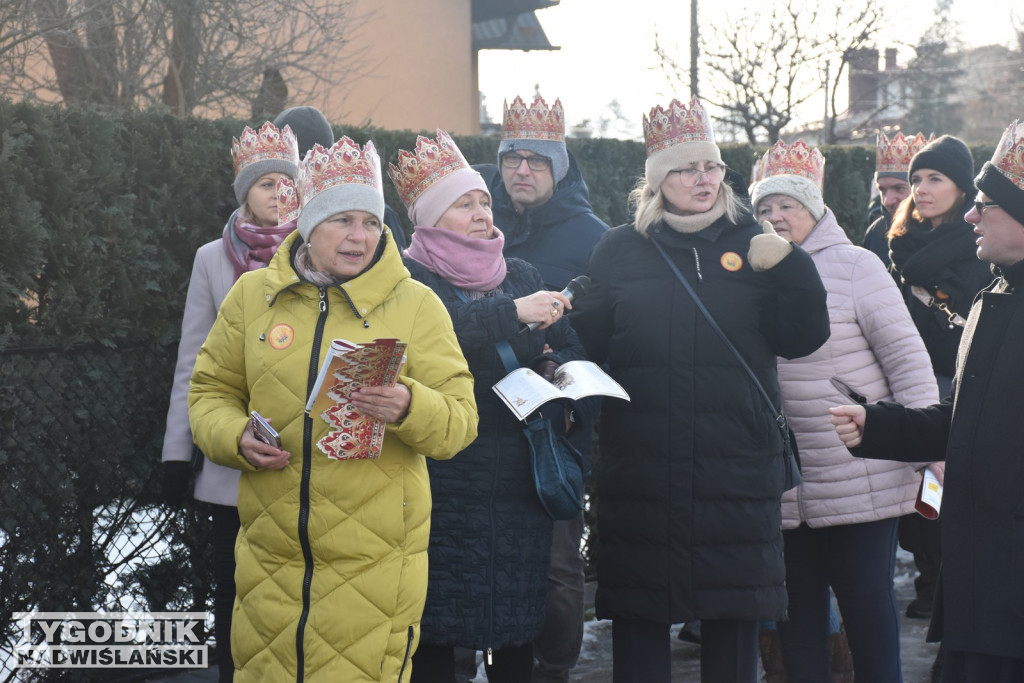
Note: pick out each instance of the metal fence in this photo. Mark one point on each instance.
(81, 524)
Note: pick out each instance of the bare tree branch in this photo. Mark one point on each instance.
(187, 55)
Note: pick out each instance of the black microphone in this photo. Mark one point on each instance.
(576, 287)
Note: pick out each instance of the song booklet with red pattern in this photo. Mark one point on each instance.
(347, 367)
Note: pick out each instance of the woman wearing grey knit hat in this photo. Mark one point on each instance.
(336, 514)
(693, 467)
(839, 524)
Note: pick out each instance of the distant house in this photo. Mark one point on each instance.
(987, 91)
(421, 61)
(406, 64)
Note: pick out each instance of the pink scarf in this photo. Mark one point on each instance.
(466, 262)
(250, 247)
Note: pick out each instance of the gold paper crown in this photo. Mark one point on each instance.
(430, 162)
(343, 164)
(894, 156)
(268, 143)
(1009, 155)
(679, 123)
(797, 159)
(287, 201)
(536, 122)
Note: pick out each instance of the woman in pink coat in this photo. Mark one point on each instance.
(839, 524)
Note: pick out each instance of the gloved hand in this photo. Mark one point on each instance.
(546, 369)
(174, 486)
(767, 249)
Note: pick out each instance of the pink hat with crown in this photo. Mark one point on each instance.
(431, 177)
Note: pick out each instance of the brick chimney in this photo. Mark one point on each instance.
(864, 81)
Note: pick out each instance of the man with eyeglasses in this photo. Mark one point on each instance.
(542, 206)
(979, 613)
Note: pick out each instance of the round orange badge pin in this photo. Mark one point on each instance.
(281, 336)
(732, 261)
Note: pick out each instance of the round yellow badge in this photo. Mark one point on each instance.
(281, 336)
(732, 261)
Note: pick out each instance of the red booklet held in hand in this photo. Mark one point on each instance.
(347, 367)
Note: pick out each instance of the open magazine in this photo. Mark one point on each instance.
(523, 390)
(347, 367)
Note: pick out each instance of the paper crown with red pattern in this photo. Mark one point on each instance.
(677, 124)
(257, 153)
(1002, 179)
(1009, 155)
(536, 122)
(430, 162)
(893, 156)
(797, 160)
(329, 181)
(262, 145)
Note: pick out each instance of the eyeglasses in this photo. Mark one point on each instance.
(980, 206)
(535, 162)
(691, 176)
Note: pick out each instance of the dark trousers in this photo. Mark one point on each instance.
(225, 532)
(436, 664)
(971, 667)
(641, 651)
(557, 647)
(923, 538)
(858, 561)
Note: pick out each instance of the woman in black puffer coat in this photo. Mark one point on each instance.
(691, 470)
(490, 537)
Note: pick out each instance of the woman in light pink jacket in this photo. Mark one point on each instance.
(839, 524)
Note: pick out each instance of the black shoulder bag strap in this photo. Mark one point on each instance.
(780, 417)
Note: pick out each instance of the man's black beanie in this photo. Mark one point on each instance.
(1001, 190)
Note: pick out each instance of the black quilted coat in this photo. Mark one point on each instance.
(690, 471)
(490, 538)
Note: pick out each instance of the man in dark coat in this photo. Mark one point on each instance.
(892, 159)
(979, 612)
(542, 206)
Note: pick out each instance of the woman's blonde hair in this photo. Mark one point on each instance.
(650, 204)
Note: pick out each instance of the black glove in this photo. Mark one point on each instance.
(174, 488)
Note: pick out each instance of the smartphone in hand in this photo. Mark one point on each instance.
(847, 391)
(262, 430)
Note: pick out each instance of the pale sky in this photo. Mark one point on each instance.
(608, 50)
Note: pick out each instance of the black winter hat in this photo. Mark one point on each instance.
(949, 156)
(1001, 190)
(309, 125)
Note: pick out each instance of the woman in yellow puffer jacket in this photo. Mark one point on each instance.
(332, 554)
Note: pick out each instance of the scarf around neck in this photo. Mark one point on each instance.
(698, 221)
(250, 247)
(465, 262)
(921, 253)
